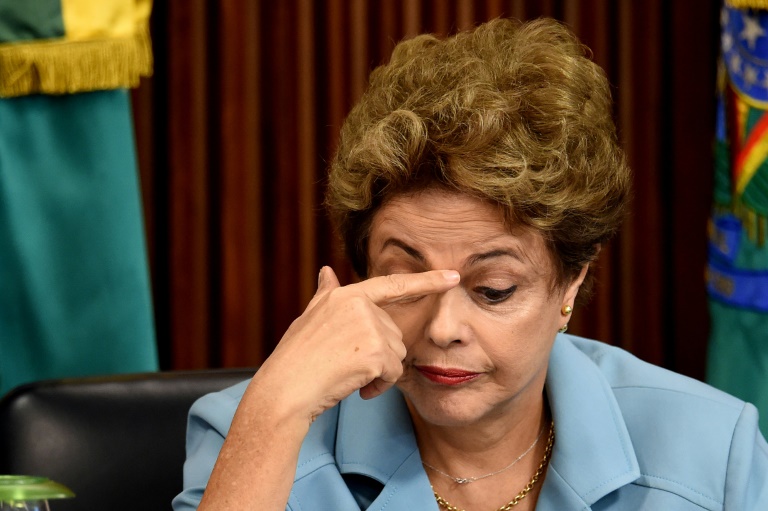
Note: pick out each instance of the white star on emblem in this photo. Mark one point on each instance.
(723, 17)
(751, 31)
(726, 41)
(735, 64)
(764, 83)
(750, 75)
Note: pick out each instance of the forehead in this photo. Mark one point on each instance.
(442, 224)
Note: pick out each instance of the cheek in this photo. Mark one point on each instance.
(537, 311)
(410, 318)
(508, 339)
(521, 336)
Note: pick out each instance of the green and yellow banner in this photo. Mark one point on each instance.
(74, 281)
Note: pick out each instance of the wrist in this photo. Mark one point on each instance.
(271, 401)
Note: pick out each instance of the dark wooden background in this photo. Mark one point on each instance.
(236, 125)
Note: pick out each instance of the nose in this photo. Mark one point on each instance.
(446, 325)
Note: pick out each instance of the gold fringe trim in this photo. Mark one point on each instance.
(754, 225)
(748, 4)
(66, 67)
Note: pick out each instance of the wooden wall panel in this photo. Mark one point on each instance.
(189, 185)
(638, 109)
(687, 158)
(308, 165)
(239, 174)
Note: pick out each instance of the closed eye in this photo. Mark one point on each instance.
(492, 295)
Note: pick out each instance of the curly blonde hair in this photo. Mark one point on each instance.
(513, 113)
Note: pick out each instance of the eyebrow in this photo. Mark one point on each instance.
(405, 248)
(476, 258)
(473, 259)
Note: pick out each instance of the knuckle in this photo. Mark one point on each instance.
(397, 284)
(345, 298)
(359, 305)
(392, 373)
(371, 372)
(335, 294)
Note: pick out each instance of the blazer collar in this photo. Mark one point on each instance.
(590, 433)
(375, 438)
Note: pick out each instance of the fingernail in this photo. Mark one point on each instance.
(451, 276)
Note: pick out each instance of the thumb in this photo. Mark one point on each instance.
(326, 281)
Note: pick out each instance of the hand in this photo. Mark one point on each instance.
(344, 341)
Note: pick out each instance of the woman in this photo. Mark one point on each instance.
(473, 186)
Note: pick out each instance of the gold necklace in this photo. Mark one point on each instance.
(444, 504)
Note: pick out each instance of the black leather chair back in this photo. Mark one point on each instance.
(118, 442)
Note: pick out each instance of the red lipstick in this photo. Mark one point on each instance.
(446, 375)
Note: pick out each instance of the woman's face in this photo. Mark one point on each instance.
(480, 350)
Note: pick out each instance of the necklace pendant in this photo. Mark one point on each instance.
(461, 480)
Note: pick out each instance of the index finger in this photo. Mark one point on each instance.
(398, 286)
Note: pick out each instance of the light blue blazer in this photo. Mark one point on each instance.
(630, 436)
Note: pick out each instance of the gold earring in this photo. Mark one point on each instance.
(563, 329)
(567, 309)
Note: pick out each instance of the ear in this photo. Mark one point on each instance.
(573, 288)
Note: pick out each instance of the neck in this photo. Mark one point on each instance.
(483, 446)
(483, 450)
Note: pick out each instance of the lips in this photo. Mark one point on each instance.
(446, 375)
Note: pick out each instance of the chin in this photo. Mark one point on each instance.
(445, 408)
